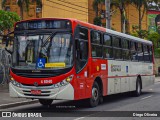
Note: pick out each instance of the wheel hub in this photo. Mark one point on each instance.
(95, 94)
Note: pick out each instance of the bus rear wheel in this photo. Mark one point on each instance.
(138, 90)
(94, 100)
(45, 102)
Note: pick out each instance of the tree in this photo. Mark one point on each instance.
(121, 5)
(7, 20)
(142, 6)
(155, 38)
(97, 19)
(23, 4)
(95, 5)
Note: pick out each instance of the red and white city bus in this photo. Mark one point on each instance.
(71, 60)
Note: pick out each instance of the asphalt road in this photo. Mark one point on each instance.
(120, 104)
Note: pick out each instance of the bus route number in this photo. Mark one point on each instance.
(46, 81)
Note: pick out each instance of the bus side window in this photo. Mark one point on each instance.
(146, 53)
(81, 48)
(140, 52)
(133, 50)
(125, 52)
(107, 46)
(117, 50)
(150, 54)
(96, 44)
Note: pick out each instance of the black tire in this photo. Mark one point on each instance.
(45, 102)
(138, 90)
(101, 99)
(94, 100)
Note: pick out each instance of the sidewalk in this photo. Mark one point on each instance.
(157, 79)
(6, 101)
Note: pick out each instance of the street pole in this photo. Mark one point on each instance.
(108, 14)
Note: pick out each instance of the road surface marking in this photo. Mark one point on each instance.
(79, 118)
(150, 89)
(21, 102)
(87, 116)
(156, 82)
(146, 97)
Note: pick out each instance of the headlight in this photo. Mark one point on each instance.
(64, 82)
(15, 83)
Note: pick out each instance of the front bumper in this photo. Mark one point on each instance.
(64, 92)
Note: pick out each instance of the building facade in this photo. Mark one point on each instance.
(132, 19)
(81, 10)
(34, 11)
(66, 9)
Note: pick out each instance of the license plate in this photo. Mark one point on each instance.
(36, 92)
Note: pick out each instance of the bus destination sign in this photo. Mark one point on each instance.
(43, 24)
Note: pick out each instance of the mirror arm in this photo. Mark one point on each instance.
(8, 51)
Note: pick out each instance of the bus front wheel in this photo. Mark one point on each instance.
(45, 102)
(94, 100)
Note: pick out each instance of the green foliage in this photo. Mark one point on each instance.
(152, 36)
(155, 38)
(7, 19)
(139, 33)
(157, 52)
(143, 34)
(97, 21)
(135, 34)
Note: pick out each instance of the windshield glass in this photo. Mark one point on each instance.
(43, 51)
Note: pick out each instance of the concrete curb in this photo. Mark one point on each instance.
(3, 106)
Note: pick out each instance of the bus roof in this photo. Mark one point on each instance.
(116, 33)
(128, 36)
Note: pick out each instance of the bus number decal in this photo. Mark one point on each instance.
(103, 66)
(46, 81)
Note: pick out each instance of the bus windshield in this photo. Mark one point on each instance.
(43, 51)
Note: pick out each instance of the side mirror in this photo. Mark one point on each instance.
(9, 51)
(7, 41)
